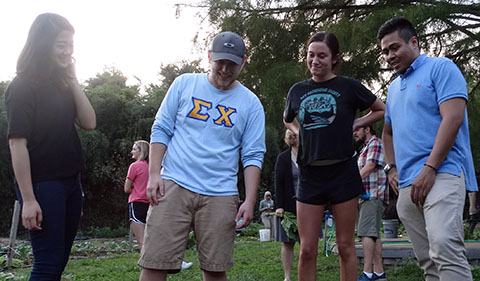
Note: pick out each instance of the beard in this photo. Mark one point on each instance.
(358, 144)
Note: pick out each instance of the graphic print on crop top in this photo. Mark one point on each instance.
(318, 108)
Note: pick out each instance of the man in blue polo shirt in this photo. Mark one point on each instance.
(427, 151)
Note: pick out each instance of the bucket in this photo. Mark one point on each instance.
(390, 228)
(264, 235)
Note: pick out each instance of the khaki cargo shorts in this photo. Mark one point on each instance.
(169, 223)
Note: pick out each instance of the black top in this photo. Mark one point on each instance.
(326, 112)
(284, 186)
(44, 114)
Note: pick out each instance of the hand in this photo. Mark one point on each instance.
(393, 179)
(279, 212)
(422, 185)
(32, 215)
(246, 213)
(155, 188)
(71, 74)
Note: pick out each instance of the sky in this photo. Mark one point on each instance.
(135, 37)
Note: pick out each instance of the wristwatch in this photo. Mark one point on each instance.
(388, 167)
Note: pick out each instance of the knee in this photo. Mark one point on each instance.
(441, 243)
(307, 253)
(346, 249)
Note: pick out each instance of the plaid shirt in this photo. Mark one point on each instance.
(376, 182)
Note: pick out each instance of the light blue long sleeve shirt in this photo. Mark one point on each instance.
(207, 131)
(413, 112)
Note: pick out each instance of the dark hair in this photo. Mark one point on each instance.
(370, 126)
(332, 43)
(34, 60)
(402, 25)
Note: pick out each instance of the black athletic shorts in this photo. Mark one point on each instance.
(333, 184)
(137, 212)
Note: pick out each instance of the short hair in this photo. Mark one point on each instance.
(332, 43)
(402, 25)
(370, 126)
(144, 148)
(34, 60)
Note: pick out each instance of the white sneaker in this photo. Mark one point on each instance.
(186, 265)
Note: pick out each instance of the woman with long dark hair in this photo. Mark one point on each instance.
(321, 111)
(44, 102)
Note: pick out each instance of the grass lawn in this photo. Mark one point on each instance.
(254, 260)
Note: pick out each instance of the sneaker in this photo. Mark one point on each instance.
(364, 277)
(382, 277)
(186, 265)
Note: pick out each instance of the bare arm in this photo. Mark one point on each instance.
(367, 170)
(86, 118)
(387, 140)
(128, 185)
(452, 112)
(31, 212)
(252, 179)
(377, 111)
(155, 185)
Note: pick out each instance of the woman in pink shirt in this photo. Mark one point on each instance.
(136, 186)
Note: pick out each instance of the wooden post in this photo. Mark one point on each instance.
(13, 232)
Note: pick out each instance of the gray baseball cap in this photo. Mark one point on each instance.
(228, 46)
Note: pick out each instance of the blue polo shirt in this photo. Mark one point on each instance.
(413, 113)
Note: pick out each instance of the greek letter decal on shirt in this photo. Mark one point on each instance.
(198, 105)
(318, 108)
(223, 111)
(224, 118)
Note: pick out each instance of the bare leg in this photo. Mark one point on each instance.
(309, 219)
(214, 276)
(377, 257)
(368, 252)
(148, 274)
(345, 214)
(138, 230)
(287, 258)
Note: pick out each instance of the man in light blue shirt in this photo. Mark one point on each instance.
(427, 151)
(208, 122)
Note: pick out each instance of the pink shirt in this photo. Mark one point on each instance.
(138, 174)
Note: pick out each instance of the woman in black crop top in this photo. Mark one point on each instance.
(321, 110)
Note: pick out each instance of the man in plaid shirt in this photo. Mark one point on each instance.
(370, 162)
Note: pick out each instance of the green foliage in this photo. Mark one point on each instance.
(251, 230)
(289, 224)
(105, 232)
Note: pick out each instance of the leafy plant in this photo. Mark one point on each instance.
(289, 224)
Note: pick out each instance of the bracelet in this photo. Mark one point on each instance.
(430, 166)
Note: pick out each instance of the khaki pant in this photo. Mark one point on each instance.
(436, 230)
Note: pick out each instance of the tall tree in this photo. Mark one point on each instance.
(276, 32)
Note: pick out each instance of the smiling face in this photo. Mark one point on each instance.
(398, 53)
(62, 49)
(224, 73)
(320, 61)
(135, 152)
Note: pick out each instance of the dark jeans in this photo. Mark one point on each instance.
(61, 204)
